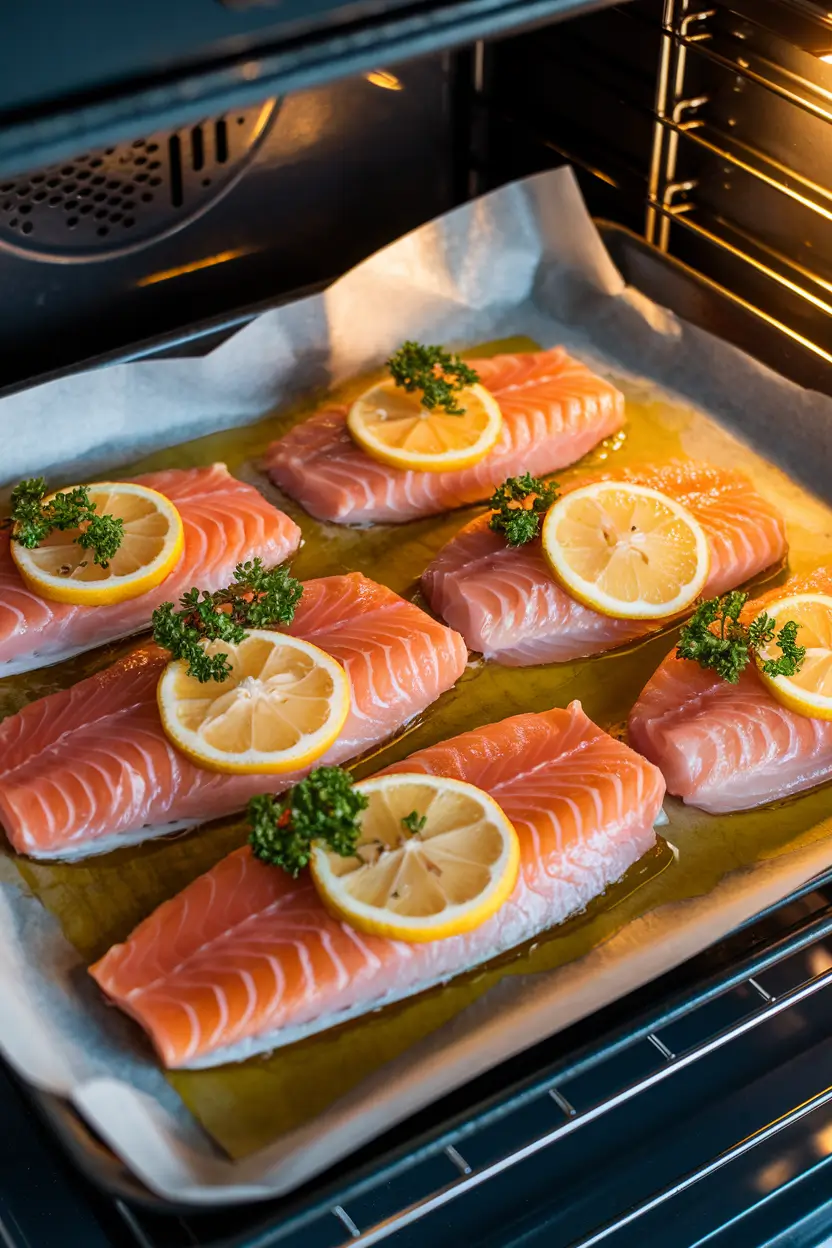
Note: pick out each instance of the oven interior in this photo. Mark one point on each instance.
(698, 1110)
(701, 129)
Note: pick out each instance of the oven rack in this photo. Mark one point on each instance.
(680, 115)
(657, 185)
(771, 982)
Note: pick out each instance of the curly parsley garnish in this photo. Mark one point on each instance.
(257, 599)
(323, 807)
(518, 522)
(414, 822)
(32, 520)
(728, 648)
(439, 375)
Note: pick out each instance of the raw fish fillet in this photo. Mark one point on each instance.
(507, 605)
(246, 959)
(226, 522)
(725, 747)
(554, 411)
(90, 769)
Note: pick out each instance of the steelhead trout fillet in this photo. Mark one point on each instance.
(90, 769)
(226, 522)
(554, 411)
(507, 604)
(247, 959)
(724, 747)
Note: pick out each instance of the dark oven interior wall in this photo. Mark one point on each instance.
(116, 247)
(582, 91)
(173, 232)
(105, 251)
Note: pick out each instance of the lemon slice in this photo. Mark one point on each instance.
(282, 706)
(151, 547)
(445, 879)
(626, 550)
(393, 427)
(809, 692)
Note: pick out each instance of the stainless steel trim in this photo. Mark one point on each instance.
(342, 1216)
(751, 75)
(562, 1103)
(458, 1160)
(476, 1178)
(681, 213)
(666, 1053)
(696, 1176)
(760, 990)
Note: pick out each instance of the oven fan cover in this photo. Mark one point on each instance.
(119, 199)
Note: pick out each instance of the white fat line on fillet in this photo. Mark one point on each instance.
(116, 840)
(255, 917)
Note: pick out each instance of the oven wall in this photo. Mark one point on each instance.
(121, 245)
(706, 129)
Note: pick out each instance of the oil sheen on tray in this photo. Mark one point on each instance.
(554, 411)
(725, 747)
(507, 605)
(226, 522)
(247, 959)
(90, 768)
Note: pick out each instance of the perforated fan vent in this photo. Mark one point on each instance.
(124, 197)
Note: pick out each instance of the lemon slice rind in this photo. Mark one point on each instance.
(790, 691)
(385, 412)
(326, 683)
(455, 848)
(92, 585)
(640, 548)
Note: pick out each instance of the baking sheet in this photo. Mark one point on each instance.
(524, 261)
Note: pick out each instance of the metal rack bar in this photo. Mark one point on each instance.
(677, 17)
(802, 935)
(691, 130)
(741, 69)
(797, 938)
(681, 214)
(476, 1178)
(793, 940)
(703, 1172)
(677, 119)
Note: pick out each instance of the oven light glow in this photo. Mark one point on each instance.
(381, 78)
(827, 56)
(207, 262)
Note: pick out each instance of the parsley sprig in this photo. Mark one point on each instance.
(715, 638)
(439, 375)
(323, 807)
(414, 822)
(516, 521)
(258, 598)
(32, 520)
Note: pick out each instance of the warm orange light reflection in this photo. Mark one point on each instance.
(774, 1175)
(823, 1141)
(264, 115)
(827, 56)
(207, 263)
(819, 960)
(381, 78)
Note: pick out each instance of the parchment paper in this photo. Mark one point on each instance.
(525, 260)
